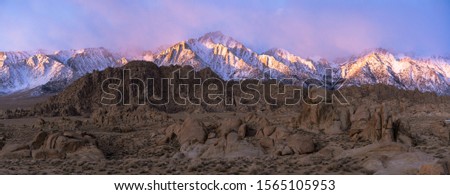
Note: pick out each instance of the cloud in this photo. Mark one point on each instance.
(307, 28)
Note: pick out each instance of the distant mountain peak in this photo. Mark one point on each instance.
(91, 49)
(213, 35)
(218, 37)
(377, 51)
(277, 51)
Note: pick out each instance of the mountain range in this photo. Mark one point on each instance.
(230, 59)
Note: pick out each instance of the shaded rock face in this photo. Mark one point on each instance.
(251, 136)
(88, 93)
(375, 122)
(56, 145)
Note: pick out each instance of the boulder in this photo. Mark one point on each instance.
(56, 145)
(280, 133)
(191, 131)
(287, 151)
(242, 131)
(267, 131)
(301, 144)
(228, 125)
(266, 142)
(38, 140)
(373, 165)
(433, 169)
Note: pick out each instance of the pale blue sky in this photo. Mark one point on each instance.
(328, 28)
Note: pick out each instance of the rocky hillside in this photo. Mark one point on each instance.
(86, 94)
(380, 130)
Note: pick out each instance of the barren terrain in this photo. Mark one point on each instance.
(382, 130)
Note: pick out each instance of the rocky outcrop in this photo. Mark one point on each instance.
(366, 120)
(233, 137)
(56, 145)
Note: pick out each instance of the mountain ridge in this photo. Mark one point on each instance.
(231, 60)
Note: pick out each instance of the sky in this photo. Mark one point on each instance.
(326, 28)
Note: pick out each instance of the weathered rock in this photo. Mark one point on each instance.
(287, 151)
(405, 163)
(404, 139)
(88, 153)
(373, 165)
(211, 135)
(171, 130)
(56, 145)
(301, 144)
(266, 142)
(256, 122)
(236, 148)
(38, 140)
(15, 147)
(334, 129)
(280, 133)
(267, 131)
(13, 151)
(228, 125)
(445, 164)
(215, 149)
(344, 118)
(43, 154)
(433, 169)
(242, 131)
(191, 131)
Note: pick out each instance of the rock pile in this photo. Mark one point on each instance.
(234, 137)
(56, 145)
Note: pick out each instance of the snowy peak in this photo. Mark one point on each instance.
(218, 37)
(229, 59)
(278, 52)
(179, 53)
(404, 72)
(13, 57)
(28, 70)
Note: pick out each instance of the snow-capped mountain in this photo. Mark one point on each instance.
(380, 66)
(224, 55)
(230, 59)
(25, 70)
